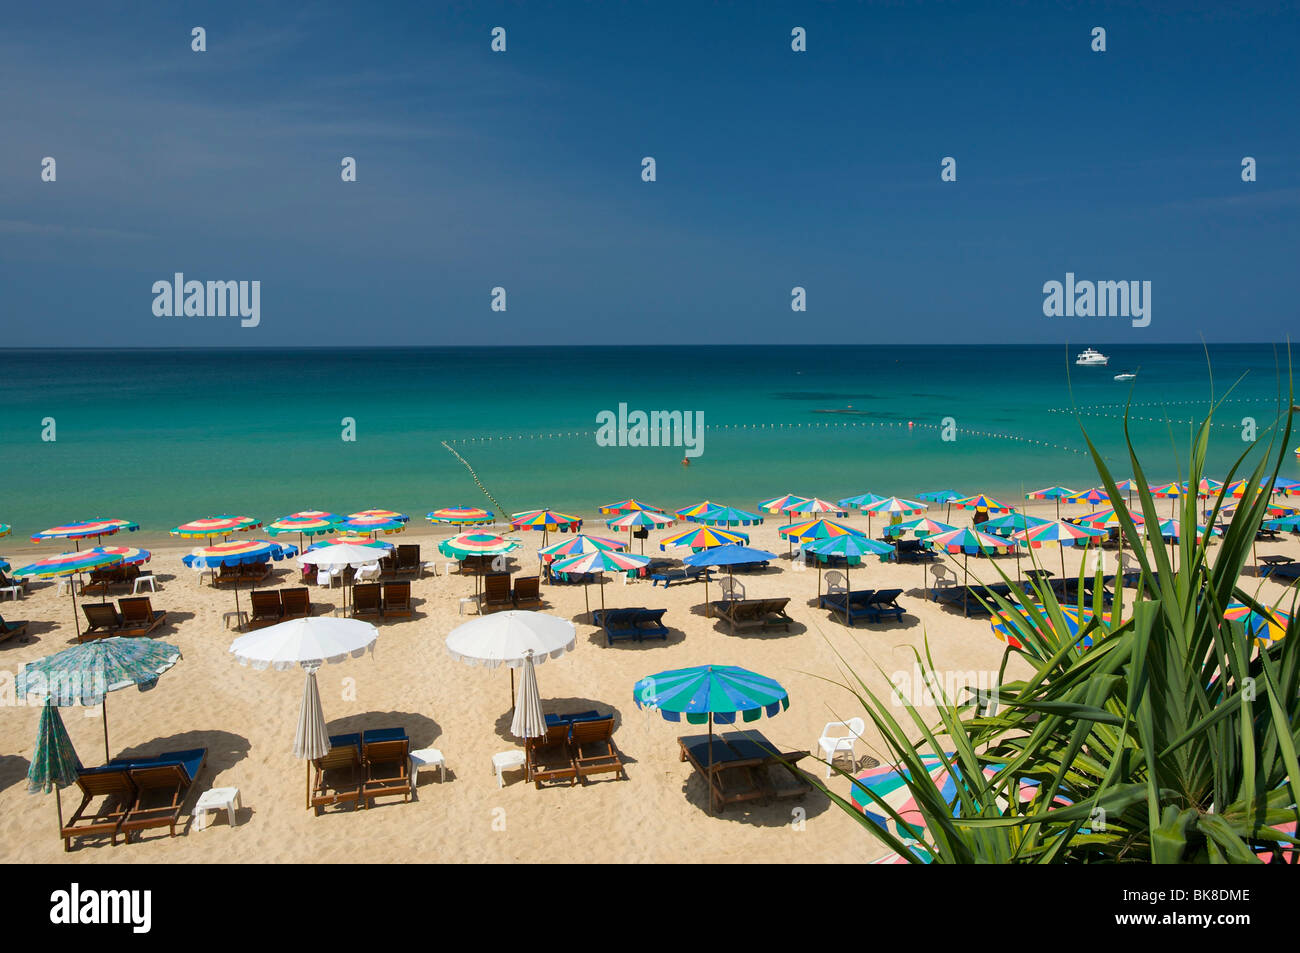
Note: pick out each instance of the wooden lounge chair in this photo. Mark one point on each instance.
(227, 575)
(366, 599)
(296, 602)
(166, 780)
(756, 614)
(742, 766)
(528, 591)
(267, 608)
(388, 565)
(339, 774)
(138, 616)
(387, 756)
(254, 572)
(102, 620)
(408, 560)
(10, 629)
(550, 758)
(592, 744)
(496, 591)
(114, 785)
(397, 598)
(101, 580)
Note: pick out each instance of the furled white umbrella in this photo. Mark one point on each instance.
(507, 638)
(308, 644)
(529, 722)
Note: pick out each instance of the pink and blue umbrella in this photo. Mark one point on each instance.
(727, 516)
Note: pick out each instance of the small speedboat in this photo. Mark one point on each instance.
(1126, 376)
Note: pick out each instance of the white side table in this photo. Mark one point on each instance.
(504, 761)
(142, 580)
(467, 601)
(66, 583)
(217, 799)
(240, 617)
(427, 758)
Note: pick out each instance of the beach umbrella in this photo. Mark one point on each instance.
(861, 500)
(71, 564)
(373, 521)
(4, 565)
(919, 528)
(630, 506)
(211, 526)
(131, 556)
(5, 529)
(528, 722)
(1284, 523)
(1168, 491)
(599, 561)
(816, 529)
(86, 673)
(967, 541)
(1011, 523)
(480, 543)
(892, 506)
(546, 521)
(577, 545)
(507, 638)
(640, 519)
(703, 537)
(1286, 487)
(696, 509)
(307, 644)
(778, 504)
(815, 506)
(1058, 533)
(54, 761)
(1012, 627)
(728, 516)
(351, 540)
(730, 555)
(1265, 627)
(981, 502)
(943, 498)
(708, 693)
(84, 530)
(239, 553)
(340, 556)
(1056, 493)
(850, 547)
(1092, 497)
(304, 523)
(461, 516)
(1205, 487)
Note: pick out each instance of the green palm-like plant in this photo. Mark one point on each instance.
(1171, 740)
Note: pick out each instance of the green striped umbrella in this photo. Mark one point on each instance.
(54, 762)
(86, 673)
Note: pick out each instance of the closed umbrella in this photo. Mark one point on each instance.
(528, 722)
(54, 761)
(308, 644)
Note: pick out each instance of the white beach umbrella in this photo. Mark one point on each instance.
(529, 722)
(342, 555)
(507, 638)
(308, 644)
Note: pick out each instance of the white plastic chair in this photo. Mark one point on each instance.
(943, 576)
(835, 582)
(324, 578)
(732, 589)
(833, 744)
(366, 573)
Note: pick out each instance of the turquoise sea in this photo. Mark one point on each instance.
(166, 436)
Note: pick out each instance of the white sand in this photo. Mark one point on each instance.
(246, 719)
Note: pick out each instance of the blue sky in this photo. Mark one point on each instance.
(522, 169)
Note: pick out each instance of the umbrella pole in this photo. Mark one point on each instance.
(72, 588)
(708, 779)
(848, 593)
(58, 800)
(512, 689)
(308, 760)
(103, 702)
(965, 581)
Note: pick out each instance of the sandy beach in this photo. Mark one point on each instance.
(246, 718)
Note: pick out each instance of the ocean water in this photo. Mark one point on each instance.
(166, 436)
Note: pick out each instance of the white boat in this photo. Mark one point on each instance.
(1126, 376)
(1091, 357)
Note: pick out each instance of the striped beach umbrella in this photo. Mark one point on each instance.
(969, 541)
(940, 496)
(477, 544)
(696, 509)
(461, 516)
(1058, 533)
(85, 674)
(1205, 487)
(703, 537)
(1265, 627)
(817, 529)
(630, 506)
(640, 519)
(1092, 497)
(600, 561)
(980, 501)
(305, 523)
(708, 693)
(919, 528)
(5, 529)
(546, 521)
(577, 545)
(779, 504)
(728, 516)
(1056, 493)
(861, 500)
(242, 552)
(815, 507)
(85, 529)
(211, 526)
(893, 507)
(373, 521)
(131, 555)
(1104, 519)
(71, 564)
(1011, 523)
(850, 547)
(1015, 628)
(349, 540)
